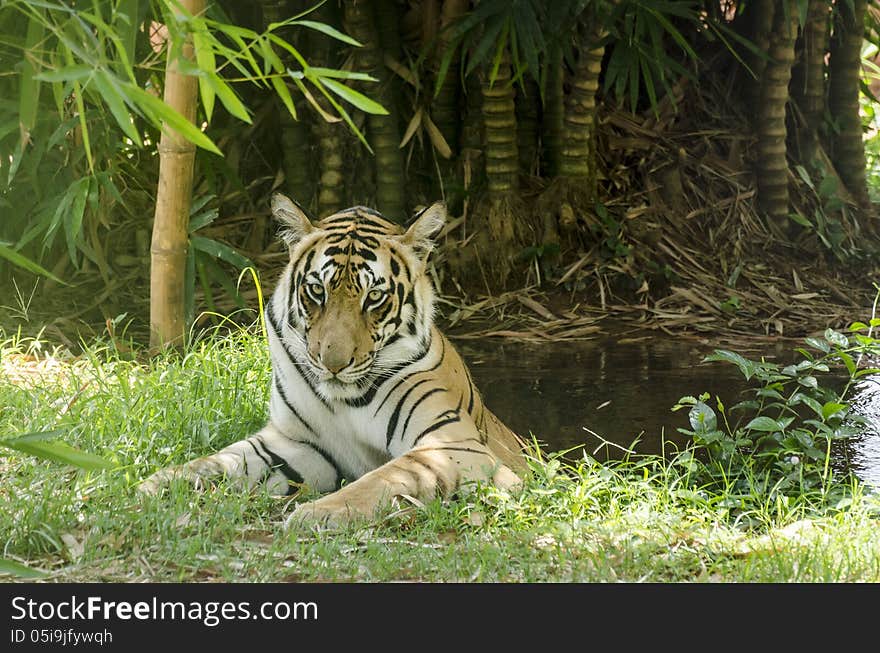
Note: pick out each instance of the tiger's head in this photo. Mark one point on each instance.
(357, 300)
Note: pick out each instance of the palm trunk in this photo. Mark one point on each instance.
(772, 164)
(848, 147)
(294, 133)
(170, 226)
(499, 122)
(579, 126)
(554, 111)
(445, 106)
(808, 82)
(327, 136)
(382, 131)
(758, 30)
(527, 127)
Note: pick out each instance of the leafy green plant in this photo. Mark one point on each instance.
(46, 446)
(825, 223)
(782, 437)
(202, 260)
(607, 228)
(85, 103)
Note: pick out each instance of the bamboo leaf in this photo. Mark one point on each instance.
(29, 90)
(127, 27)
(411, 128)
(228, 98)
(69, 73)
(12, 568)
(74, 218)
(284, 93)
(328, 117)
(359, 100)
(207, 63)
(161, 112)
(37, 445)
(25, 263)
(219, 250)
(328, 30)
(341, 74)
(116, 103)
(437, 139)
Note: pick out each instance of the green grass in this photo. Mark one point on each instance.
(633, 520)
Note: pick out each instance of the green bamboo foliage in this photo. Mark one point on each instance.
(499, 123)
(382, 130)
(772, 163)
(848, 148)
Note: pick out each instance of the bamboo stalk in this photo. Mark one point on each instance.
(844, 71)
(382, 130)
(772, 163)
(170, 226)
(499, 122)
(579, 124)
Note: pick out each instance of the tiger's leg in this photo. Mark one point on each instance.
(266, 458)
(438, 465)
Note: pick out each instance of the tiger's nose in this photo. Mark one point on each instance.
(335, 357)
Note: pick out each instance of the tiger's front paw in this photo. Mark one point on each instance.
(199, 473)
(331, 512)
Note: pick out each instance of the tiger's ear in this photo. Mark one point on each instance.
(295, 222)
(427, 223)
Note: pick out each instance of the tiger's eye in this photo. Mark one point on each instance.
(316, 289)
(376, 295)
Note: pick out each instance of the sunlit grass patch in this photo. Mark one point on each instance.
(575, 520)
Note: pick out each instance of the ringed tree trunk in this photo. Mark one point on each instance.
(571, 148)
(499, 122)
(382, 130)
(295, 142)
(327, 136)
(445, 106)
(528, 126)
(501, 153)
(772, 164)
(847, 145)
(554, 110)
(173, 197)
(579, 122)
(808, 86)
(759, 26)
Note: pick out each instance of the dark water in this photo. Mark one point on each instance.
(622, 389)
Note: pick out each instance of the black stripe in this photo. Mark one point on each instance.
(435, 426)
(340, 475)
(289, 405)
(380, 380)
(366, 254)
(293, 361)
(395, 415)
(257, 451)
(468, 449)
(406, 378)
(415, 405)
(284, 467)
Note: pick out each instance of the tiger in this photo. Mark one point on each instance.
(370, 402)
